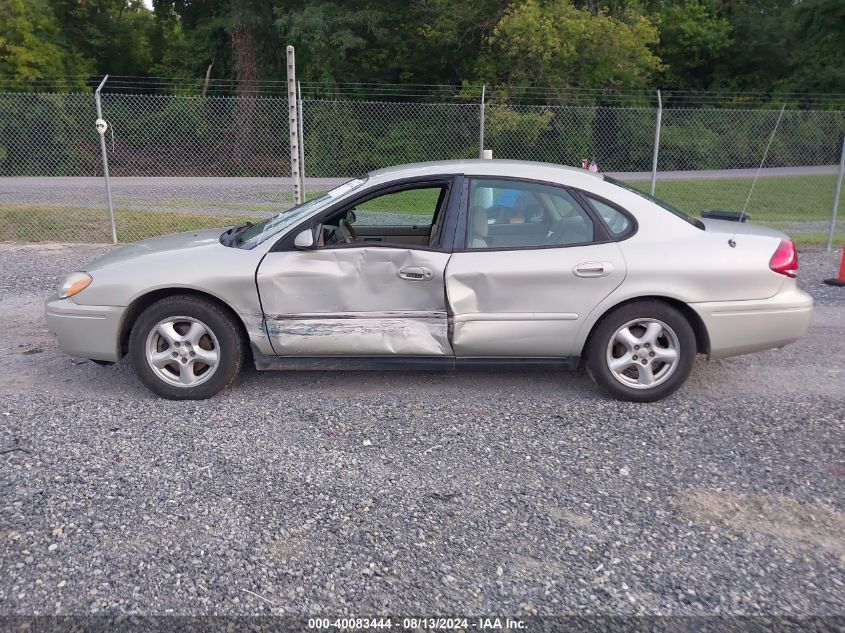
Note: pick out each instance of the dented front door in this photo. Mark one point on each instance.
(355, 301)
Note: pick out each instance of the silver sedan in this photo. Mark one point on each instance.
(441, 266)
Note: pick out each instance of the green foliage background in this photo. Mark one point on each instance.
(559, 45)
(567, 82)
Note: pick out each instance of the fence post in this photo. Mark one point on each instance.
(301, 139)
(293, 126)
(836, 196)
(101, 129)
(481, 124)
(656, 142)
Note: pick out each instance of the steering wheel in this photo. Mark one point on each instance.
(348, 234)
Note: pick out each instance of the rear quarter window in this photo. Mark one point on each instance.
(618, 223)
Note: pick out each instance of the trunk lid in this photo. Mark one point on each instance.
(727, 227)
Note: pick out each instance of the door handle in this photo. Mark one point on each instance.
(593, 269)
(415, 273)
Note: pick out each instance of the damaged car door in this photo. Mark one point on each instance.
(535, 262)
(368, 279)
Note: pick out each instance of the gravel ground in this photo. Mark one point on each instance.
(418, 493)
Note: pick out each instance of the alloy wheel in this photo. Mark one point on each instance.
(643, 353)
(182, 351)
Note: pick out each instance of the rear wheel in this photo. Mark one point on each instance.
(642, 351)
(186, 348)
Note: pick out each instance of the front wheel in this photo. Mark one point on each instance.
(186, 348)
(642, 351)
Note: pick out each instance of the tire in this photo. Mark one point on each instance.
(636, 332)
(186, 348)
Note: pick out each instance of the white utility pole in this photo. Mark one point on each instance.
(293, 124)
(481, 123)
(102, 126)
(836, 197)
(656, 142)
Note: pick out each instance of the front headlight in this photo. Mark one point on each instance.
(73, 284)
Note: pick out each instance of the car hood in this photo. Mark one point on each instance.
(165, 243)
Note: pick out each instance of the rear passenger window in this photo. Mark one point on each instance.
(616, 221)
(514, 214)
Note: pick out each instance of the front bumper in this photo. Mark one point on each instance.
(86, 331)
(741, 327)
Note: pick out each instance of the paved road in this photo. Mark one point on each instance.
(721, 174)
(425, 493)
(220, 196)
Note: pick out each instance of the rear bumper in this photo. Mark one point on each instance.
(86, 331)
(741, 327)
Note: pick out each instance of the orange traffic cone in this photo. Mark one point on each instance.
(840, 281)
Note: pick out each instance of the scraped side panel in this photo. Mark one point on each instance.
(363, 334)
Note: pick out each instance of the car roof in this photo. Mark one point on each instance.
(511, 168)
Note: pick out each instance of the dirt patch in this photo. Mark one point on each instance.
(803, 525)
(573, 519)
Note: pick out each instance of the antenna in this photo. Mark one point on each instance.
(757, 175)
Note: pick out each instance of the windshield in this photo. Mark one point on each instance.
(661, 203)
(251, 236)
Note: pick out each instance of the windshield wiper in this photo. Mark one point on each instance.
(229, 236)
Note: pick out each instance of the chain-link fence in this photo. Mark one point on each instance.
(188, 162)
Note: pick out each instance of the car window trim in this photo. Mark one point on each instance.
(285, 243)
(601, 235)
(585, 196)
(678, 213)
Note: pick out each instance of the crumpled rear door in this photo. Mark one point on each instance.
(529, 303)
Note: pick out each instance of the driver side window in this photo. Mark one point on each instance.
(406, 216)
(411, 207)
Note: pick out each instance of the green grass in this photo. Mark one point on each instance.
(415, 201)
(775, 199)
(285, 202)
(23, 223)
(781, 198)
(782, 202)
(817, 239)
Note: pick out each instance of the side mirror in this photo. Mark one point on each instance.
(305, 239)
(351, 217)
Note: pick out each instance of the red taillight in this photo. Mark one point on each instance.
(785, 259)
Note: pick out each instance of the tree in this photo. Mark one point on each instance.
(350, 41)
(32, 46)
(451, 35)
(693, 40)
(236, 36)
(817, 43)
(759, 55)
(114, 34)
(785, 46)
(558, 45)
